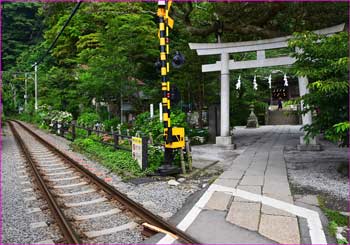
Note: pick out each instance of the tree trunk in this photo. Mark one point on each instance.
(200, 104)
(113, 109)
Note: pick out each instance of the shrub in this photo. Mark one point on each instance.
(146, 125)
(155, 157)
(114, 122)
(88, 119)
(197, 134)
(118, 161)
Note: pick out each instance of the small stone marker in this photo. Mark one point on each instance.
(138, 152)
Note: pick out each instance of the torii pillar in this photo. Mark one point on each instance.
(225, 137)
(311, 144)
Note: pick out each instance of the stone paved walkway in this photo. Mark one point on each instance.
(259, 169)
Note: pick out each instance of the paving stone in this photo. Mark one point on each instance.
(230, 174)
(252, 180)
(255, 172)
(265, 209)
(276, 178)
(279, 172)
(276, 188)
(274, 211)
(218, 231)
(275, 160)
(240, 166)
(237, 168)
(260, 158)
(218, 201)
(308, 199)
(227, 182)
(281, 229)
(249, 188)
(244, 214)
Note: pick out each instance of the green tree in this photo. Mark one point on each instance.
(21, 28)
(110, 47)
(325, 61)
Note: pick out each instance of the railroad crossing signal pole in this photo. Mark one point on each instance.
(174, 137)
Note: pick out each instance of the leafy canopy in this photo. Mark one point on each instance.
(324, 60)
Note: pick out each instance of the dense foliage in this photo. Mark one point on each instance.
(325, 61)
(106, 55)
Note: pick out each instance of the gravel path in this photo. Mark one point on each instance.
(317, 172)
(16, 221)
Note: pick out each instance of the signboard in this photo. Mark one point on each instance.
(139, 151)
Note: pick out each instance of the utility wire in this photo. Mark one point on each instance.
(59, 34)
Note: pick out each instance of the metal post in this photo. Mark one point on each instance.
(116, 140)
(144, 153)
(55, 126)
(163, 7)
(121, 108)
(62, 130)
(36, 85)
(25, 91)
(73, 131)
(151, 110)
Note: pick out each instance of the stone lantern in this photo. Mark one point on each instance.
(252, 121)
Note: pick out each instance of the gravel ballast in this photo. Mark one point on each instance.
(158, 196)
(16, 221)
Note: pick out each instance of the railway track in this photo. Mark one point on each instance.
(86, 209)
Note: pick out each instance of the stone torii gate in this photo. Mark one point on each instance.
(225, 65)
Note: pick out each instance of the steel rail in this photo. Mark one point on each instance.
(67, 231)
(131, 205)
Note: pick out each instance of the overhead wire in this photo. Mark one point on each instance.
(59, 34)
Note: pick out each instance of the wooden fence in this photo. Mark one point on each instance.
(69, 131)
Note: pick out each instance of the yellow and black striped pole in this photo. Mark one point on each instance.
(164, 22)
(164, 52)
